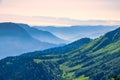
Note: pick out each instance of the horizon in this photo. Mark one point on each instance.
(61, 13)
(84, 25)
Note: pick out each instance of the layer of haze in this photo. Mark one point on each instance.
(44, 11)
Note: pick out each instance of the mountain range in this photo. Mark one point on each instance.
(72, 33)
(98, 59)
(62, 49)
(43, 36)
(14, 39)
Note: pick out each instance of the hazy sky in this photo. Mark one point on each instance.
(55, 9)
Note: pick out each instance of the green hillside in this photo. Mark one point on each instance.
(98, 60)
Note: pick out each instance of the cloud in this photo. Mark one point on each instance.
(46, 20)
(75, 9)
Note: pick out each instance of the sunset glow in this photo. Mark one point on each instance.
(70, 9)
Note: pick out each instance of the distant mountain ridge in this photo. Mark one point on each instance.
(13, 30)
(73, 33)
(15, 40)
(43, 36)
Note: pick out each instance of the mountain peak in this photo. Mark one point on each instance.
(12, 30)
(113, 35)
(103, 41)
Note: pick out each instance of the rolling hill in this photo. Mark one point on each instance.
(62, 49)
(98, 60)
(72, 33)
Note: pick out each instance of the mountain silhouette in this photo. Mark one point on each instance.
(15, 40)
(72, 33)
(41, 35)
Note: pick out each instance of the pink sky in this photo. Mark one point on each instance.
(71, 9)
